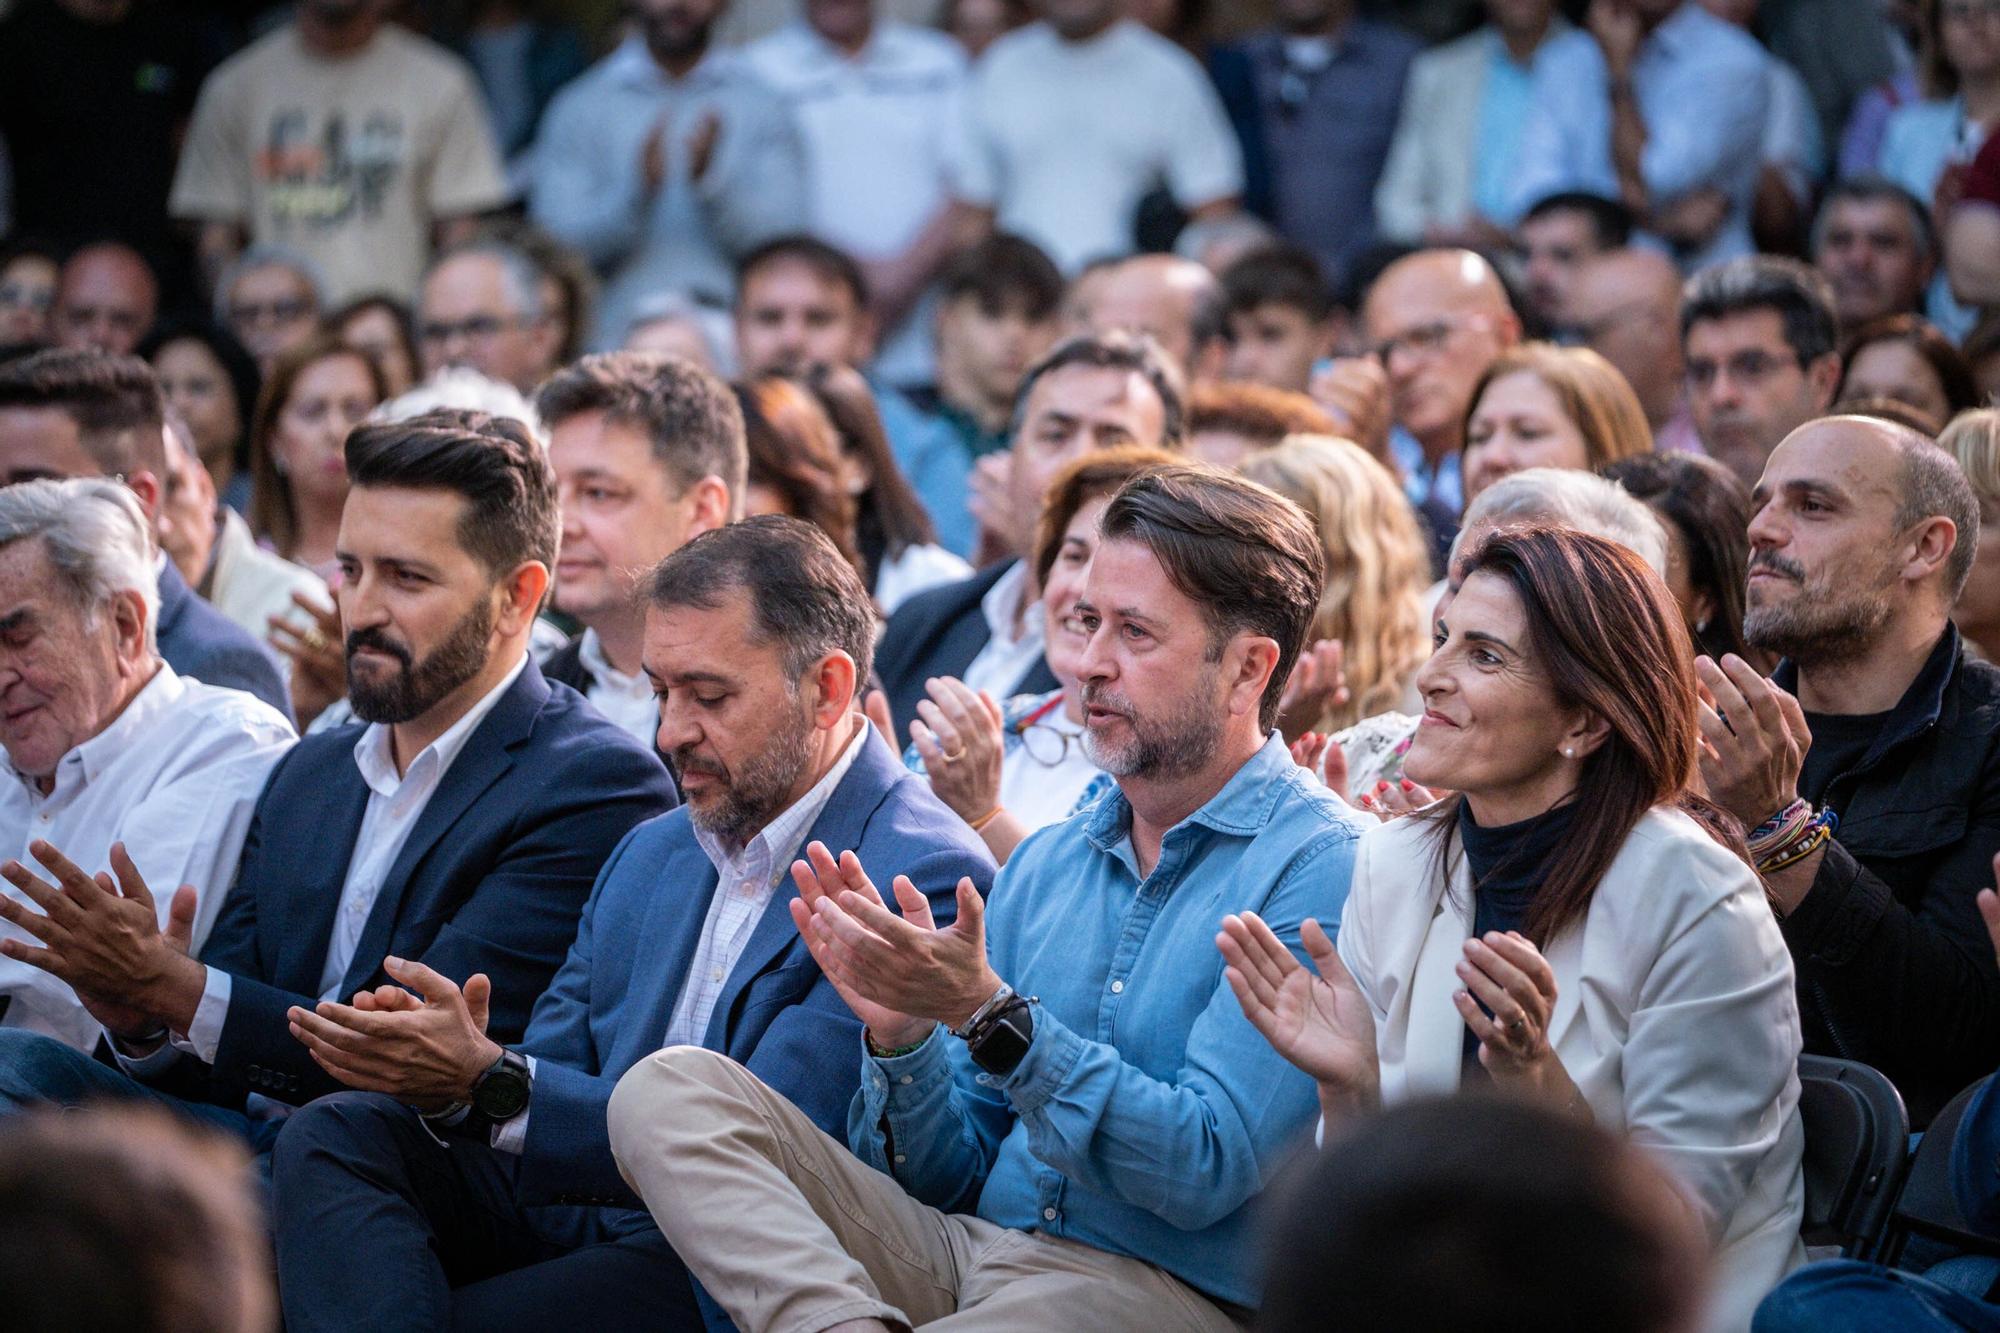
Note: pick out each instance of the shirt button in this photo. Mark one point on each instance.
(1117, 988)
(900, 1159)
(1048, 1214)
(715, 974)
(906, 1079)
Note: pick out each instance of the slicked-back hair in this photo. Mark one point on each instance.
(804, 596)
(1797, 293)
(690, 417)
(1249, 557)
(511, 516)
(1135, 353)
(115, 402)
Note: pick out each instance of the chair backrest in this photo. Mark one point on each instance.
(1857, 1141)
(1926, 1205)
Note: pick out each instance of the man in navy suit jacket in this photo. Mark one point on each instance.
(463, 825)
(88, 414)
(755, 638)
(1089, 393)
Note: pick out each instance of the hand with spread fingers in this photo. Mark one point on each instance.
(1316, 1018)
(101, 934)
(1509, 997)
(957, 732)
(426, 1049)
(1754, 740)
(317, 655)
(901, 975)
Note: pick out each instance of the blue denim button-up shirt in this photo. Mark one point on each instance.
(1148, 1113)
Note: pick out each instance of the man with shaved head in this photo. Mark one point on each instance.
(1868, 766)
(1177, 301)
(106, 299)
(1437, 319)
(1625, 306)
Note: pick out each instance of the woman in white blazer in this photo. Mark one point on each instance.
(1575, 925)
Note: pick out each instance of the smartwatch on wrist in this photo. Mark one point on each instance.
(501, 1093)
(999, 1041)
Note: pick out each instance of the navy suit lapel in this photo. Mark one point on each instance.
(308, 909)
(839, 826)
(487, 756)
(174, 595)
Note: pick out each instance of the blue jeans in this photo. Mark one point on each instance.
(40, 1071)
(1848, 1296)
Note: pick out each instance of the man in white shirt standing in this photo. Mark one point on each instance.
(648, 453)
(458, 828)
(1075, 119)
(104, 743)
(880, 111)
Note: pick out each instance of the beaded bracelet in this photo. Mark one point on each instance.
(1818, 830)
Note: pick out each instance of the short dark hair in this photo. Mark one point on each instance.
(690, 417)
(1004, 272)
(1710, 506)
(1135, 353)
(1931, 484)
(115, 402)
(1443, 1214)
(831, 263)
(804, 595)
(1284, 275)
(1250, 557)
(238, 366)
(1870, 188)
(1797, 293)
(511, 515)
(1610, 221)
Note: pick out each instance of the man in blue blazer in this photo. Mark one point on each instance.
(755, 638)
(88, 414)
(463, 824)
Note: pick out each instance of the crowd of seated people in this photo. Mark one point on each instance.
(1114, 665)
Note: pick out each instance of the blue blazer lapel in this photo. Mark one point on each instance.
(486, 758)
(839, 826)
(310, 908)
(675, 911)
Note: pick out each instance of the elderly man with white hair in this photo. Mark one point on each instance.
(106, 745)
(1365, 762)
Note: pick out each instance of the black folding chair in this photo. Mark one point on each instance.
(1926, 1205)
(1857, 1141)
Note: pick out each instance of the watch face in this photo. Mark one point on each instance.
(1002, 1049)
(502, 1094)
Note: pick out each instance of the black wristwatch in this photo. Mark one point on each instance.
(999, 1042)
(501, 1093)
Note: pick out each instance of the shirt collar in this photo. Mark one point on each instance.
(632, 66)
(92, 758)
(378, 766)
(590, 652)
(1242, 807)
(1008, 591)
(783, 834)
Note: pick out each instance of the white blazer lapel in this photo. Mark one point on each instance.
(1437, 1033)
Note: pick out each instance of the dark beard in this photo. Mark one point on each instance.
(760, 791)
(1817, 628)
(420, 685)
(1183, 742)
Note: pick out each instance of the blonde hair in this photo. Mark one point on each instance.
(1377, 565)
(1592, 393)
(1973, 438)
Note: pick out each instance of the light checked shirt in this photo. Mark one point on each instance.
(1006, 660)
(627, 700)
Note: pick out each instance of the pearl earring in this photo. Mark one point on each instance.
(1568, 753)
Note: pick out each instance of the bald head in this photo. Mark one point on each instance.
(106, 299)
(1625, 306)
(1177, 301)
(1438, 318)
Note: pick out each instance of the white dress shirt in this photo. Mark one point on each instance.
(394, 806)
(627, 700)
(746, 878)
(175, 777)
(1005, 660)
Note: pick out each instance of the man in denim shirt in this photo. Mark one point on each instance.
(1092, 1144)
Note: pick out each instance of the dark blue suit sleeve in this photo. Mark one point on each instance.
(1975, 1161)
(246, 667)
(515, 925)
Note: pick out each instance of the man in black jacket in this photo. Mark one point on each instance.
(1091, 392)
(1867, 771)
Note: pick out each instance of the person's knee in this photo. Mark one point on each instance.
(663, 1079)
(342, 1127)
(34, 1068)
(1802, 1301)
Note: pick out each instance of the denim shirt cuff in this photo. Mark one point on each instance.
(1045, 1068)
(904, 1090)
